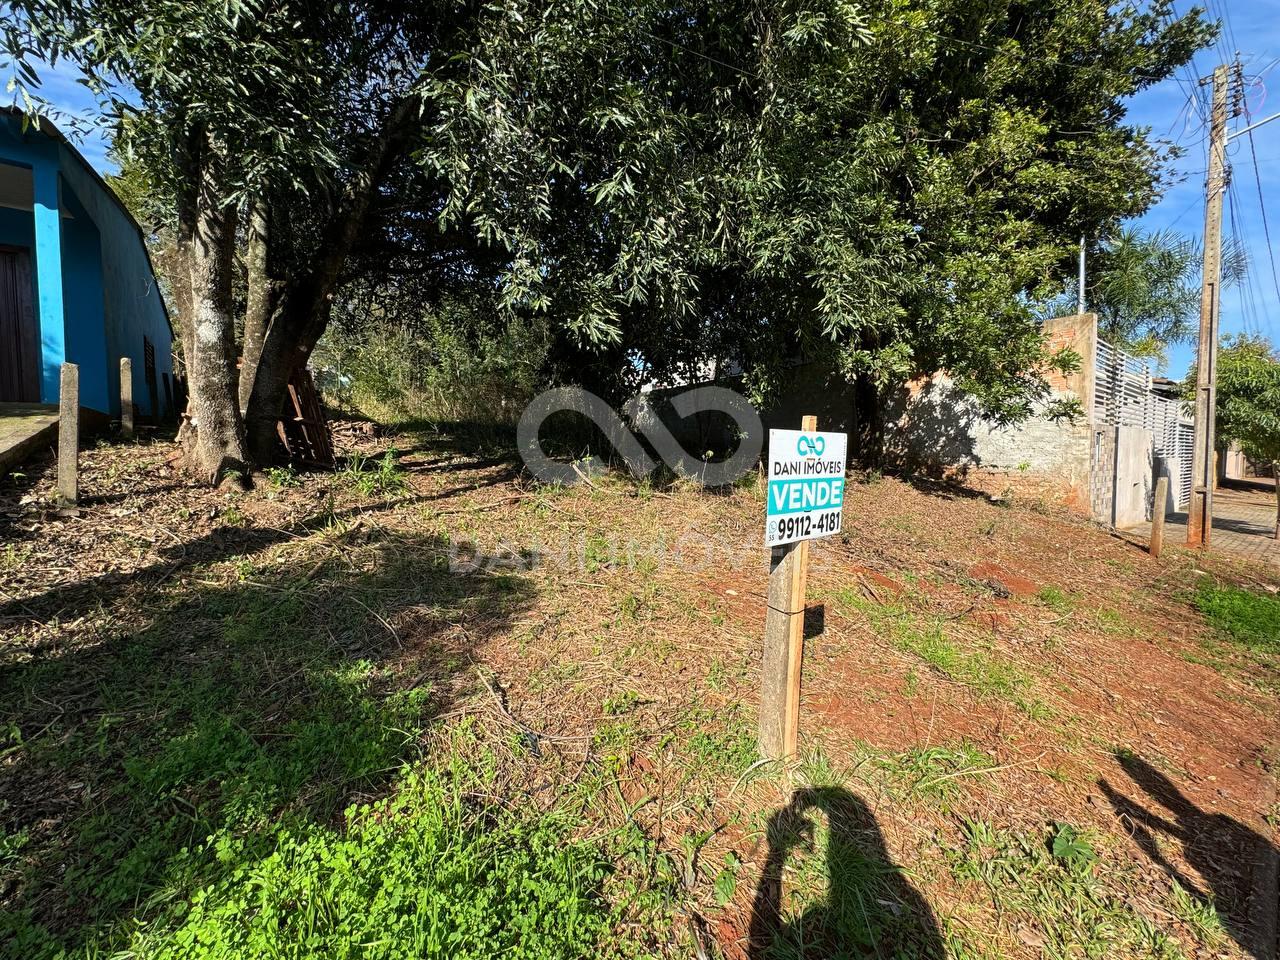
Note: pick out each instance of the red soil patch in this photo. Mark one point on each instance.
(989, 572)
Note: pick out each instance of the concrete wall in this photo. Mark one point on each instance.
(133, 304)
(1131, 500)
(94, 289)
(934, 427)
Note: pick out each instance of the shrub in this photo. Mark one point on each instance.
(456, 364)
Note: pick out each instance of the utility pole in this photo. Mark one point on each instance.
(1200, 521)
(1080, 284)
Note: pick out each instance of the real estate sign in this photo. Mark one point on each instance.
(806, 485)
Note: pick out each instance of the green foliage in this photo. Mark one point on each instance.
(283, 477)
(1072, 849)
(375, 476)
(886, 185)
(1248, 409)
(1145, 288)
(937, 773)
(1248, 618)
(742, 186)
(423, 873)
(1056, 599)
(256, 786)
(1050, 888)
(453, 365)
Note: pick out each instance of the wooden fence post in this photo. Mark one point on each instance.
(69, 435)
(126, 398)
(1157, 517)
(784, 645)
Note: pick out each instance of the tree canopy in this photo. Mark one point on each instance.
(1249, 397)
(885, 186)
(1145, 288)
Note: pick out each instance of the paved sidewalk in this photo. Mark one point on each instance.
(23, 427)
(1244, 520)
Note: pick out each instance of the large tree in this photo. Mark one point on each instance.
(885, 185)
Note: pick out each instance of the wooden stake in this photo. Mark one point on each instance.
(1157, 517)
(126, 398)
(784, 645)
(69, 435)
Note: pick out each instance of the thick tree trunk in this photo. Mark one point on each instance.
(218, 453)
(261, 299)
(299, 310)
(186, 161)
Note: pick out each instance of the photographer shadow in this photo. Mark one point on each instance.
(870, 908)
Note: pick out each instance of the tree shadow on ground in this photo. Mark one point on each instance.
(146, 760)
(870, 909)
(1224, 851)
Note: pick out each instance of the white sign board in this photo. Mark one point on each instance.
(806, 485)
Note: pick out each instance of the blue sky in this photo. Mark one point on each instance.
(1251, 27)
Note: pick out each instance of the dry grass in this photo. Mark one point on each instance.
(1019, 737)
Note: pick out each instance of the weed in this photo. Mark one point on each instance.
(282, 477)
(1247, 618)
(14, 557)
(1056, 600)
(1201, 916)
(233, 516)
(622, 703)
(985, 672)
(1113, 622)
(726, 882)
(373, 477)
(1049, 887)
(934, 773)
(910, 684)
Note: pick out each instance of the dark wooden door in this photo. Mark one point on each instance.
(19, 335)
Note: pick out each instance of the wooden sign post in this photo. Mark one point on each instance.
(784, 644)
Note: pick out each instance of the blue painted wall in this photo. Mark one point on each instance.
(132, 301)
(40, 154)
(95, 291)
(83, 303)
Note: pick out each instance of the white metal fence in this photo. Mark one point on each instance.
(1123, 397)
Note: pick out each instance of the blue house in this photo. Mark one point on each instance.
(76, 282)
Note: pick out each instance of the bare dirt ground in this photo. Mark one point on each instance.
(1020, 737)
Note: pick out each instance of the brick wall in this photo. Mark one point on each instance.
(934, 427)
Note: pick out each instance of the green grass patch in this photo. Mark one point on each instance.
(240, 773)
(985, 672)
(375, 476)
(1247, 618)
(1054, 889)
(937, 773)
(1056, 600)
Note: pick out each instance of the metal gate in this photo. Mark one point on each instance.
(1123, 397)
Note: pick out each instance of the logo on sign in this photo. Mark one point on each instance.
(811, 446)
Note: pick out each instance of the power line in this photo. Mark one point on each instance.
(1262, 208)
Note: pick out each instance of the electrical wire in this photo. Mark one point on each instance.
(1262, 209)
